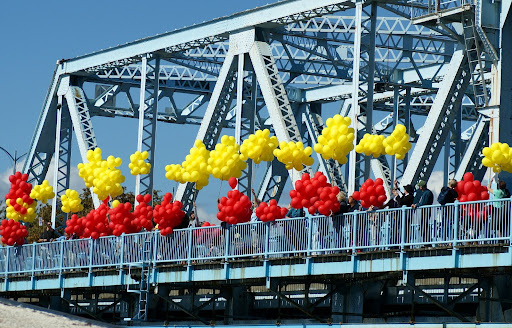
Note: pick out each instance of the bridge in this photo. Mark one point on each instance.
(437, 67)
(401, 265)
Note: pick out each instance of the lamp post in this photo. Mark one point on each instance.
(14, 158)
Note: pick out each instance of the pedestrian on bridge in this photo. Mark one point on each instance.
(423, 197)
(48, 234)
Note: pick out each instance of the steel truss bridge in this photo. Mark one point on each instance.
(432, 264)
(435, 66)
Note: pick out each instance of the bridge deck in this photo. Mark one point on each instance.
(399, 240)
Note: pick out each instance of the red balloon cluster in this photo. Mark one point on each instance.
(236, 208)
(205, 235)
(371, 193)
(315, 194)
(168, 214)
(75, 225)
(96, 223)
(471, 190)
(122, 220)
(143, 213)
(20, 189)
(13, 232)
(270, 212)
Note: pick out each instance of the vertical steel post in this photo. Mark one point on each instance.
(142, 108)
(56, 160)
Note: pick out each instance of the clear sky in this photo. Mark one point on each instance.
(35, 34)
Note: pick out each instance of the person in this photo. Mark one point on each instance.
(406, 198)
(423, 197)
(48, 234)
(338, 220)
(193, 220)
(257, 230)
(353, 205)
(448, 195)
(500, 214)
(393, 201)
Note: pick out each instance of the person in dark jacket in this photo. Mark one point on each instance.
(48, 234)
(424, 197)
(406, 198)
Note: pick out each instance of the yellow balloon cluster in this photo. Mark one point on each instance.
(137, 163)
(193, 169)
(371, 145)
(71, 202)
(225, 161)
(498, 157)
(175, 172)
(102, 175)
(397, 143)
(294, 155)
(29, 215)
(195, 166)
(42, 192)
(336, 140)
(259, 146)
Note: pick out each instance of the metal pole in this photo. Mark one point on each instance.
(56, 160)
(142, 108)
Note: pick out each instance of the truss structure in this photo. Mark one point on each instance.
(282, 66)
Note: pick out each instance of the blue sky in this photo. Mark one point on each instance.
(36, 34)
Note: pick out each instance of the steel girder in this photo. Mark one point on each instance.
(211, 126)
(146, 138)
(62, 165)
(437, 125)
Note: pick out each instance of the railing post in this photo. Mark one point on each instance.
(226, 242)
(91, 243)
(310, 235)
(267, 236)
(61, 257)
(189, 250)
(354, 232)
(155, 245)
(509, 218)
(403, 228)
(121, 258)
(7, 257)
(33, 259)
(455, 223)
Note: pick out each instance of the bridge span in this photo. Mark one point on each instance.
(399, 265)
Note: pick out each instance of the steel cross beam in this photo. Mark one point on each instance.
(62, 166)
(214, 117)
(436, 127)
(146, 137)
(81, 120)
(364, 67)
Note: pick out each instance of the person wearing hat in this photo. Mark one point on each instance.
(407, 197)
(423, 197)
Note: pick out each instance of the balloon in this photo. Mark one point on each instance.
(259, 146)
(71, 202)
(336, 140)
(168, 214)
(293, 155)
(42, 192)
(19, 204)
(232, 182)
(102, 176)
(13, 232)
(371, 193)
(270, 212)
(498, 157)
(236, 208)
(468, 176)
(225, 161)
(371, 145)
(137, 163)
(317, 193)
(397, 143)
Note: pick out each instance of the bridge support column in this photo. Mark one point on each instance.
(238, 304)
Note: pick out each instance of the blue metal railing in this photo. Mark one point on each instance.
(482, 222)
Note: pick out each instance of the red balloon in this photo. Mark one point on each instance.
(379, 190)
(232, 182)
(312, 210)
(484, 195)
(472, 197)
(468, 176)
(364, 204)
(379, 182)
(463, 198)
(356, 195)
(469, 188)
(381, 199)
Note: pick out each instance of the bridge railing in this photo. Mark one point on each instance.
(452, 225)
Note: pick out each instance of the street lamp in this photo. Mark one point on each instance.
(14, 158)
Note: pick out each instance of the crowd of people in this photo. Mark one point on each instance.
(374, 228)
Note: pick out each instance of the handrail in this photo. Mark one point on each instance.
(450, 225)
